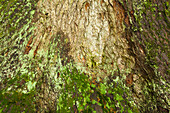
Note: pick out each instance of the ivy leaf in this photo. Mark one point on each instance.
(80, 108)
(93, 86)
(94, 101)
(118, 97)
(32, 12)
(103, 88)
(129, 110)
(30, 85)
(107, 105)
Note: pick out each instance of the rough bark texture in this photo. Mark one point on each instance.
(99, 37)
(95, 32)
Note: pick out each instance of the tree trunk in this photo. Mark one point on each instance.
(111, 39)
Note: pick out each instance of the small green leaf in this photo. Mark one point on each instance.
(118, 97)
(80, 108)
(79, 89)
(109, 91)
(84, 103)
(107, 105)
(103, 88)
(1, 110)
(93, 86)
(32, 12)
(94, 111)
(30, 85)
(129, 110)
(99, 104)
(94, 101)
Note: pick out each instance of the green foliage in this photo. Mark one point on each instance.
(78, 90)
(17, 101)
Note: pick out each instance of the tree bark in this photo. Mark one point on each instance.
(104, 39)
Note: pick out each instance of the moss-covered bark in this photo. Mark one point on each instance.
(113, 42)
